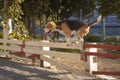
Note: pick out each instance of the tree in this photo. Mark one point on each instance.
(83, 8)
(47, 10)
(108, 7)
(12, 10)
(33, 10)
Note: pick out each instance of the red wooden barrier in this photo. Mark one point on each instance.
(108, 55)
(103, 46)
(107, 73)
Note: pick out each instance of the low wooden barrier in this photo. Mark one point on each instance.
(33, 51)
(93, 54)
(39, 51)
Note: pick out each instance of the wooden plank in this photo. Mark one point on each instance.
(64, 55)
(4, 54)
(106, 73)
(34, 47)
(14, 45)
(107, 55)
(1, 47)
(61, 65)
(103, 46)
(1, 40)
(20, 58)
(106, 77)
(13, 48)
(51, 44)
(19, 42)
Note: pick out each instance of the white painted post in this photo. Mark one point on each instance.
(10, 25)
(93, 60)
(45, 63)
(94, 65)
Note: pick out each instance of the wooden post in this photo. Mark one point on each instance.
(10, 25)
(44, 63)
(91, 64)
(93, 60)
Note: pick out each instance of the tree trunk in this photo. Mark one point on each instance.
(5, 31)
(28, 25)
(103, 28)
(33, 26)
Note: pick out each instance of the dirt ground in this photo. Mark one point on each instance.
(104, 64)
(14, 70)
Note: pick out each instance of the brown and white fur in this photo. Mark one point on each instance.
(69, 27)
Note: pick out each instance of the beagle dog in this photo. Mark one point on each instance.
(70, 27)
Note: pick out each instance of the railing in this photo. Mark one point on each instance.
(93, 54)
(39, 52)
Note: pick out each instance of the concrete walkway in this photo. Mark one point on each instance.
(10, 70)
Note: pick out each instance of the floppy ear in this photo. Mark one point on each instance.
(52, 24)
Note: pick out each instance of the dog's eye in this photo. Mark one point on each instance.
(47, 26)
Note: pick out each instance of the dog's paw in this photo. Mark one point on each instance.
(69, 45)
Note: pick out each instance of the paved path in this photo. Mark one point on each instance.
(10, 70)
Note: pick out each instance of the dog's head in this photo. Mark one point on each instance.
(49, 27)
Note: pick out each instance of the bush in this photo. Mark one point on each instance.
(112, 40)
(92, 38)
(65, 50)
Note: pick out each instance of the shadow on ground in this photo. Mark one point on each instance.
(19, 71)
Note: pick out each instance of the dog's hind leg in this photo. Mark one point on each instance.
(81, 41)
(68, 41)
(75, 37)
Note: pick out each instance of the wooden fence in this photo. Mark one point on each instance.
(40, 51)
(93, 54)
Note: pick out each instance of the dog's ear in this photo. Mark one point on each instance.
(52, 24)
(47, 25)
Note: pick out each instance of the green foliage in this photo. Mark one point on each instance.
(107, 7)
(19, 32)
(92, 38)
(66, 50)
(112, 40)
(47, 10)
(14, 12)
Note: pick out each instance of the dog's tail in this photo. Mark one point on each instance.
(96, 21)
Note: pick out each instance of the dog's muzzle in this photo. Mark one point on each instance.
(47, 31)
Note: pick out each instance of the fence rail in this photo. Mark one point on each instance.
(107, 55)
(93, 54)
(27, 50)
(103, 46)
